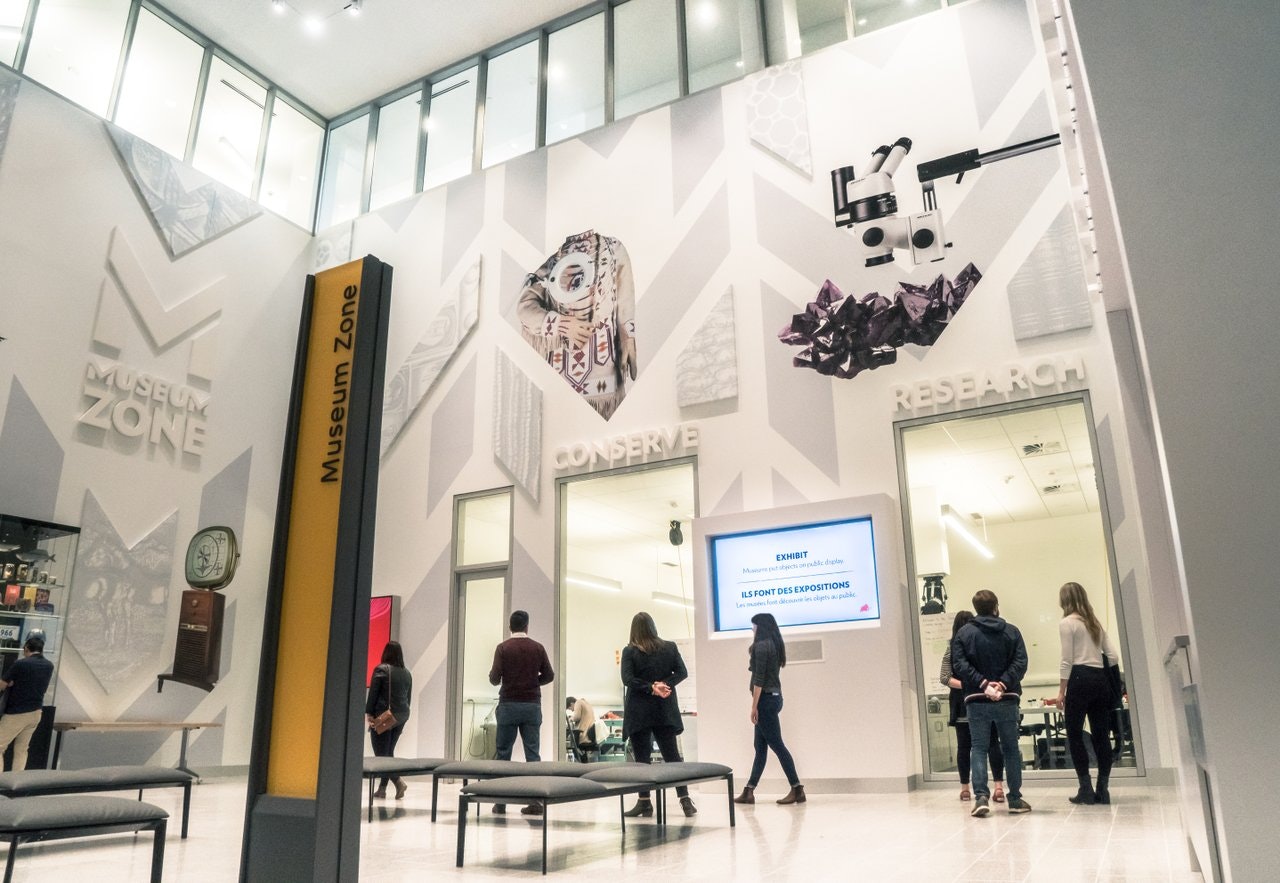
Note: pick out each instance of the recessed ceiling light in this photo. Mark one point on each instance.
(278, 6)
(313, 26)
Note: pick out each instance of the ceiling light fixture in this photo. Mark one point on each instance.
(279, 6)
(959, 524)
(599, 583)
(672, 600)
(354, 7)
(313, 26)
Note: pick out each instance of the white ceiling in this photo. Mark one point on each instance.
(1019, 466)
(355, 59)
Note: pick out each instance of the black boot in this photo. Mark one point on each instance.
(642, 809)
(686, 804)
(1085, 796)
(1100, 793)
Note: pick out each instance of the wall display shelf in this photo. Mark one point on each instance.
(37, 559)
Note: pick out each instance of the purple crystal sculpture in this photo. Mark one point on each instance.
(843, 336)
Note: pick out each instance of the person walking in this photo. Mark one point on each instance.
(989, 658)
(26, 680)
(651, 668)
(1085, 691)
(964, 743)
(390, 688)
(521, 667)
(768, 656)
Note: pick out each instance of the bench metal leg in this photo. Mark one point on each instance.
(545, 825)
(186, 807)
(435, 794)
(463, 809)
(370, 812)
(732, 822)
(157, 852)
(13, 854)
(622, 812)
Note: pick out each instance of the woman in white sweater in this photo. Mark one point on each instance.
(1084, 690)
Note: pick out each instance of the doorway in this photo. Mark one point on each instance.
(625, 547)
(479, 611)
(1008, 499)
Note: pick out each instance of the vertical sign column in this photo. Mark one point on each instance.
(302, 817)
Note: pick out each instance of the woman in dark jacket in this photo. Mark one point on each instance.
(651, 668)
(392, 684)
(768, 655)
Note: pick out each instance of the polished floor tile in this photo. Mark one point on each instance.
(926, 835)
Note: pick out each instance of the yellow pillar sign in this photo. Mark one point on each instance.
(294, 756)
(302, 815)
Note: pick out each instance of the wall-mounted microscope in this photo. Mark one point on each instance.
(870, 206)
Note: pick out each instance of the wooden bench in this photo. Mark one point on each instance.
(388, 767)
(621, 780)
(34, 819)
(37, 783)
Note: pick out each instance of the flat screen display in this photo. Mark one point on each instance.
(380, 612)
(805, 575)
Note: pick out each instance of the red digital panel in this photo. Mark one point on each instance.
(379, 632)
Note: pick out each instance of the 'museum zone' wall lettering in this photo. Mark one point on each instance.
(134, 404)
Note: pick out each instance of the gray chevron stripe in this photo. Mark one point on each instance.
(25, 438)
(452, 435)
(801, 403)
(988, 23)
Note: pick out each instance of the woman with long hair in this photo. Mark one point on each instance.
(390, 688)
(768, 655)
(964, 743)
(1084, 690)
(651, 668)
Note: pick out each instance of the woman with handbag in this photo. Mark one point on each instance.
(387, 709)
(1086, 690)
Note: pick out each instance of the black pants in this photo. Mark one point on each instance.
(769, 735)
(384, 745)
(642, 749)
(964, 745)
(1089, 695)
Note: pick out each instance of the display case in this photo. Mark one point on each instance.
(37, 559)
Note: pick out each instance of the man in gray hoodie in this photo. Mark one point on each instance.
(989, 658)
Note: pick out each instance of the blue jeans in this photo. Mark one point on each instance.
(1003, 716)
(525, 717)
(769, 735)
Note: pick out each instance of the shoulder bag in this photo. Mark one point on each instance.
(386, 720)
(1113, 680)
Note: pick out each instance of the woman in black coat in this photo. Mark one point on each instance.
(651, 668)
(391, 687)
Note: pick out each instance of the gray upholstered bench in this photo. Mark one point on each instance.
(468, 770)
(31, 819)
(604, 780)
(661, 776)
(37, 783)
(387, 767)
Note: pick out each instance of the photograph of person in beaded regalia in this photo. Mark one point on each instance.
(578, 312)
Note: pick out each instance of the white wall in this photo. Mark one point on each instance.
(67, 203)
(861, 694)
(1205, 116)
(702, 210)
(1033, 559)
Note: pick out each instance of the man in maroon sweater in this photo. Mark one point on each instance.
(521, 666)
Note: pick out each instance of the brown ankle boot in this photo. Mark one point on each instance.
(795, 795)
(401, 787)
(748, 795)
